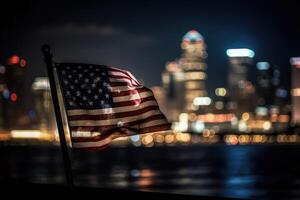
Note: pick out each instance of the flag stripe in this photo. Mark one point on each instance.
(129, 92)
(110, 110)
(113, 115)
(134, 102)
(103, 128)
(101, 141)
(133, 97)
(160, 122)
(112, 121)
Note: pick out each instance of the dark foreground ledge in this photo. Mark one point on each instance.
(47, 191)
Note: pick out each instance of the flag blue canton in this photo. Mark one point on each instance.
(86, 86)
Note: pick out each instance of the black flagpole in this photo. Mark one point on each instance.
(50, 66)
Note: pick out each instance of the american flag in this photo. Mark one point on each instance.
(103, 103)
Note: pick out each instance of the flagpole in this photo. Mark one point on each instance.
(49, 63)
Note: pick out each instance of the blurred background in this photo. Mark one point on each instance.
(225, 73)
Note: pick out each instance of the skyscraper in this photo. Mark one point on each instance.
(295, 90)
(192, 62)
(241, 90)
(184, 78)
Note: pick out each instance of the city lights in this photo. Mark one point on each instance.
(14, 60)
(295, 61)
(220, 92)
(202, 101)
(263, 65)
(2, 69)
(193, 36)
(240, 53)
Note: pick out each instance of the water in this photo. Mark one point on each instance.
(260, 172)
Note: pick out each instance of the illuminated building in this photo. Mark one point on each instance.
(173, 85)
(184, 79)
(295, 90)
(265, 89)
(241, 90)
(193, 64)
(43, 107)
(14, 95)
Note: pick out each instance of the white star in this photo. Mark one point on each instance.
(100, 90)
(96, 97)
(84, 98)
(74, 71)
(102, 102)
(80, 75)
(89, 91)
(106, 96)
(97, 79)
(68, 92)
(78, 93)
(93, 85)
(79, 67)
(63, 72)
(120, 123)
(91, 103)
(72, 86)
(91, 66)
(69, 76)
(103, 74)
(66, 82)
(86, 80)
(92, 74)
(109, 88)
(76, 81)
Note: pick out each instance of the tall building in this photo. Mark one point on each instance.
(43, 104)
(173, 85)
(184, 79)
(241, 90)
(295, 90)
(14, 94)
(265, 89)
(193, 64)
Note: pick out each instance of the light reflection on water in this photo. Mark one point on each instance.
(260, 172)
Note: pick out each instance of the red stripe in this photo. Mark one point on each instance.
(113, 115)
(130, 92)
(102, 129)
(126, 73)
(123, 132)
(116, 84)
(134, 102)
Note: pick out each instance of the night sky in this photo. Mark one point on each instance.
(142, 36)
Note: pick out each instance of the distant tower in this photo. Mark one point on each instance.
(43, 104)
(295, 91)
(240, 88)
(265, 89)
(193, 64)
(173, 79)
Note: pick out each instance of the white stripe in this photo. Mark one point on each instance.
(131, 97)
(111, 110)
(107, 122)
(124, 73)
(114, 73)
(124, 88)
